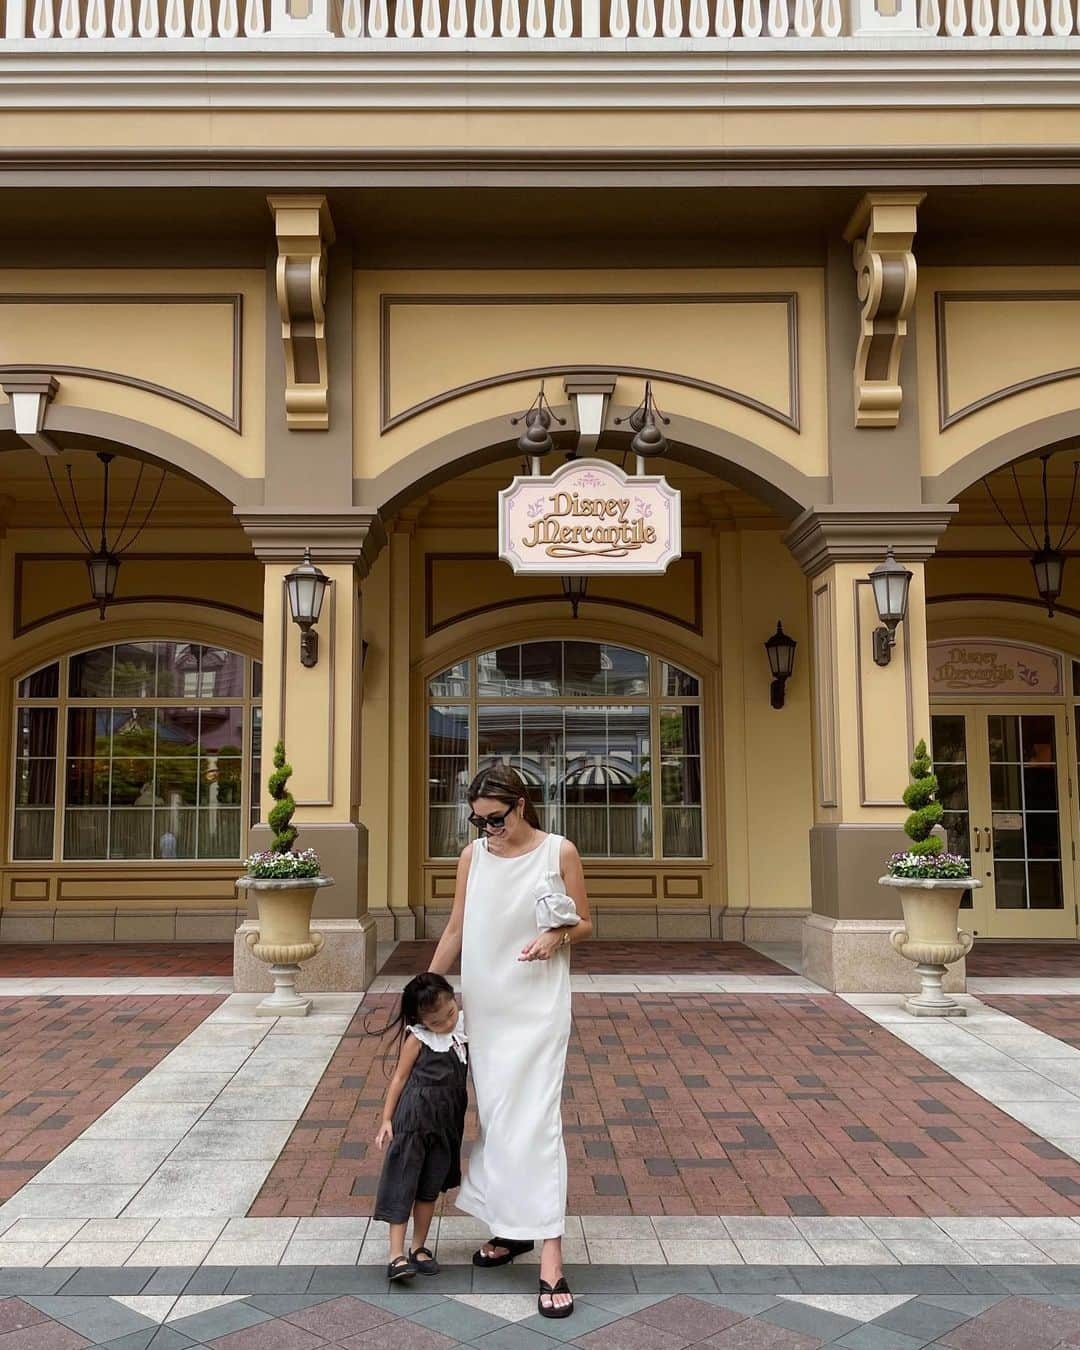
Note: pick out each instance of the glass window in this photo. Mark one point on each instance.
(160, 754)
(578, 721)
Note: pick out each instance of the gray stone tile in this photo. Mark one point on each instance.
(515, 1337)
(747, 1304)
(873, 1337)
(106, 1280)
(969, 1304)
(921, 1319)
(98, 1319)
(1015, 1279)
(270, 1280)
(215, 1322)
(30, 1280)
(838, 1279)
(402, 1302)
(505, 1280)
(599, 1279)
(209, 1280)
(587, 1317)
(152, 1338)
(755, 1280)
(826, 1326)
(625, 1305)
(169, 1280)
(277, 1305)
(673, 1280)
(457, 1320)
(450, 1280)
(362, 1280)
(930, 1280)
(1060, 1279)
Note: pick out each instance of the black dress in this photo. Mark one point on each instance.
(424, 1157)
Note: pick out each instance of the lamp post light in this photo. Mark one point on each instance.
(890, 581)
(781, 651)
(307, 585)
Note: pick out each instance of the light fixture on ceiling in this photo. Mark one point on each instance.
(1047, 559)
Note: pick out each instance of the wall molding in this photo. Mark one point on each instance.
(230, 418)
(948, 417)
(388, 302)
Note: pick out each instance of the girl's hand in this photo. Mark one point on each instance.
(542, 946)
(385, 1135)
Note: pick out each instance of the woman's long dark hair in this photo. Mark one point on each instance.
(501, 783)
(419, 996)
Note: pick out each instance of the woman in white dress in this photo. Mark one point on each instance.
(515, 984)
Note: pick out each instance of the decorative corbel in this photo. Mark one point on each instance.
(30, 395)
(881, 233)
(304, 230)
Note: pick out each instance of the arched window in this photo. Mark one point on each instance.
(140, 750)
(585, 724)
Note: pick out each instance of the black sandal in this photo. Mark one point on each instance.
(559, 1287)
(514, 1247)
(401, 1268)
(428, 1267)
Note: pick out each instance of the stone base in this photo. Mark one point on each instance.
(854, 956)
(395, 925)
(934, 1010)
(118, 925)
(346, 963)
(761, 925)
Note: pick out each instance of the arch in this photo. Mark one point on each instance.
(90, 429)
(1047, 433)
(713, 449)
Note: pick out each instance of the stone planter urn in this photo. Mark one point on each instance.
(284, 938)
(931, 937)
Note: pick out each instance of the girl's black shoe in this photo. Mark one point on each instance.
(513, 1247)
(401, 1268)
(559, 1287)
(427, 1267)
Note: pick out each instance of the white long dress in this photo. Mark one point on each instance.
(519, 1023)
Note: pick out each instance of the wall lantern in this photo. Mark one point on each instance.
(536, 440)
(890, 581)
(645, 422)
(781, 651)
(575, 589)
(307, 585)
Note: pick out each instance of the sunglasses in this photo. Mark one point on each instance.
(490, 822)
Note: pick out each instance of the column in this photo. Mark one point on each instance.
(866, 719)
(316, 712)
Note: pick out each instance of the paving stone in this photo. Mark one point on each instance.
(220, 1321)
(688, 1316)
(270, 1280)
(99, 1319)
(809, 1321)
(107, 1280)
(921, 1319)
(152, 1338)
(873, 1337)
(516, 1337)
(456, 1320)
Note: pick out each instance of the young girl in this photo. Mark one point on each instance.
(423, 1120)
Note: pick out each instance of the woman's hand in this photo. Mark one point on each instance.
(543, 945)
(385, 1135)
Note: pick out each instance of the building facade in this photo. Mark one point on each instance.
(293, 274)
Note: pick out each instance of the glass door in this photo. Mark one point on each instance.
(1005, 786)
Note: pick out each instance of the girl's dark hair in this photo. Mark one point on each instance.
(419, 996)
(503, 784)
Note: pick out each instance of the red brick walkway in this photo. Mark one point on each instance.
(98, 959)
(65, 1061)
(720, 1104)
(620, 958)
(1056, 1015)
(995, 960)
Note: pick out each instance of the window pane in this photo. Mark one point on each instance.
(177, 781)
(1005, 787)
(134, 669)
(498, 672)
(448, 778)
(87, 782)
(586, 781)
(585, 669)
(1004, 738)
(1040, 788)
(680, 782)
(587, 827)
(1008, 834)
(174, 833)
(90, 674)
(949, 740)
(1038, 737)
(33, 834)
(177, 668)
(1010, 888)
(448, 731)
(629, 831)
(952, 786)
(680, 730)
(541, 732)
(676, 683)
(256, 679)
(132, 731)
(44, 683)
(86, 834)
(221, 732)
(35, 732)
(219, 781)
(541, 668)
(89, 732)
(1042, 835)
(133, 783)
(541, 776)
(498, 732)
(221, 673)
(1044, 885)
(448, 831)
(130, 831)
(255, 790)
(627, 671)
(219, 833)
(450, 683)
(177, 731)
(35, 782)
(682, 832)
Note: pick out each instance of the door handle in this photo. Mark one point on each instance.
(989, 841)
(978, 845)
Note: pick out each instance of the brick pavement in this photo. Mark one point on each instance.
(995, 960)
(719, 1104)
(85, 960)
(1056, 1014)
(66, 1060)
(618, 958)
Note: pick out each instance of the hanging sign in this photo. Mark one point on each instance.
(589, 518)
(993, 668)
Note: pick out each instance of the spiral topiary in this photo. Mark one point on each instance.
(282, 812)
(926, 811)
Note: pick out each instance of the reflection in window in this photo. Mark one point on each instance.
(160, 754)
(579, 722)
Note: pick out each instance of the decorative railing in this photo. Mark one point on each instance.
(421, 23)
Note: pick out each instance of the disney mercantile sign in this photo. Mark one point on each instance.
(589, 518)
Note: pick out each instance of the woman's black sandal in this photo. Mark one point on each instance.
(559, 1287)
(428, 1267)
(513, 1247)
(401, 1268)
